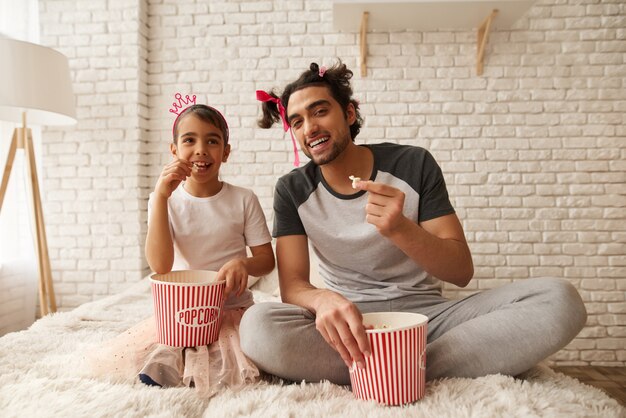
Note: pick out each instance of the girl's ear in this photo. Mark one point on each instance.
(226, 153)
(173, 149)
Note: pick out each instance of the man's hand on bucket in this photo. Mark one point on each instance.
(341, 324)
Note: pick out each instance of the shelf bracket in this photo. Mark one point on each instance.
(483, 35)
(364, 19)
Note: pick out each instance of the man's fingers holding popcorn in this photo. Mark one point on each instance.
(355, 180)
(384, 206)
(378, 188)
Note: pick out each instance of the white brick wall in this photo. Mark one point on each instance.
(92, 173)
(533, 151)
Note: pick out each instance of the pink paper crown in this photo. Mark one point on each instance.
(182, 103)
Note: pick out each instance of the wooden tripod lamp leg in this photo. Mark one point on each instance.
(18, 141)
(22, 139)
(7, 167)
(46, 288)
(43, 296)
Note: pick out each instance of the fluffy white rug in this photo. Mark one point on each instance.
(40, 376)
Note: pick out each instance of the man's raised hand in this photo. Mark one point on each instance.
(384, 206)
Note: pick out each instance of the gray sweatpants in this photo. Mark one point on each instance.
(503, 330)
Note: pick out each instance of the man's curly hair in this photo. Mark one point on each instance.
(336, 79)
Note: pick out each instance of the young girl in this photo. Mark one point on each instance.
(196, 221)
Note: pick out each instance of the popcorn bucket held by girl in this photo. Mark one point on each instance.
(188, 307)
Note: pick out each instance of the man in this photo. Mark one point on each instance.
(383, 247)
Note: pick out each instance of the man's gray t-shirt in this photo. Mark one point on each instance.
(355, 259)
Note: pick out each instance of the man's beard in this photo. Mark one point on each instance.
(336, 149)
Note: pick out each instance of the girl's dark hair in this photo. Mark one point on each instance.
(207, 114)
(336, 79)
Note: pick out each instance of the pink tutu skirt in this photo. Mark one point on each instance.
(207, 368)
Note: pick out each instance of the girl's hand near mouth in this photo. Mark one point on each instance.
(172, 175)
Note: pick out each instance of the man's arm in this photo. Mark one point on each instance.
(292, 256)
(336, 318)
(437, 245)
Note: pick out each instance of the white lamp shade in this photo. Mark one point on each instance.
(35, 79)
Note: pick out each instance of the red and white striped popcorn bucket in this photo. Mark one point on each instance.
(395, 373)
(188, 307)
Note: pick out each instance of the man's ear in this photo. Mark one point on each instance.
(226, 153)
(173, 149)
(350, 114)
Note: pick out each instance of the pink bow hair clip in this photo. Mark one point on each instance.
(265, 97)
(322, 71)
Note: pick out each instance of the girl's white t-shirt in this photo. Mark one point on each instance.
(210, 231)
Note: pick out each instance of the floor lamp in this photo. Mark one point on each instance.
(35, 87)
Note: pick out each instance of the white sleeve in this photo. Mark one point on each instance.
(255, 228)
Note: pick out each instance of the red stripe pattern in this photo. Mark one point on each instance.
(395, 373)
(187, 315)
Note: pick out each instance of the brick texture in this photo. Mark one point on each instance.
(533, 151)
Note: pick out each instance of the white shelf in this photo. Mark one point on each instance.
(426, 15)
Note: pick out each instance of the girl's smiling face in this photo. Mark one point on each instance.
(202, 144)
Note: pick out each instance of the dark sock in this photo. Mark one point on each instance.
(147, 380)
(161, 374)
(163, 367)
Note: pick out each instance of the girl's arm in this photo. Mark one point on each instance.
(236, 271)
(262, 261)
(159, 244)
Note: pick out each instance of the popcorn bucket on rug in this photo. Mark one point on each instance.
(395, 373)
(188, 307)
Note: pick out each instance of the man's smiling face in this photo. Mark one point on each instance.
(319, 123)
